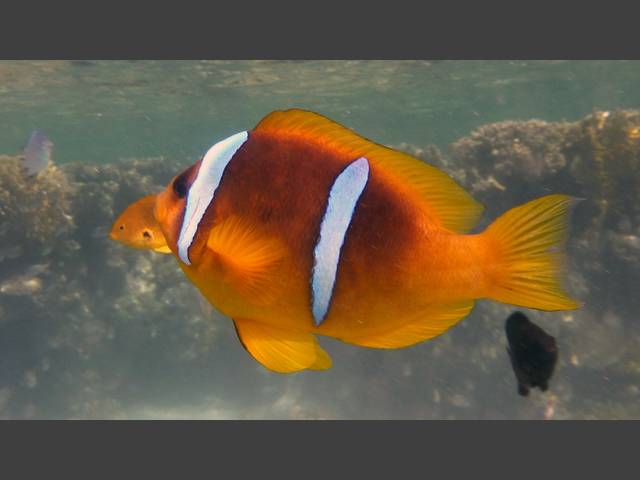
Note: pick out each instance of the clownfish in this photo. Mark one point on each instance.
(300, 227)
(137, 227)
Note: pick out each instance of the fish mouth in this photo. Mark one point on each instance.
(103, 231)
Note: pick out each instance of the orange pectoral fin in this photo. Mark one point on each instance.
(282, 351)
(249, 258)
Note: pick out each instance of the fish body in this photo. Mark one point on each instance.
(533, 353)
(300, 227)
(37, 153)
(136, 227)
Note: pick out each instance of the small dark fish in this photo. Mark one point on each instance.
(37, 154)
(533, 353)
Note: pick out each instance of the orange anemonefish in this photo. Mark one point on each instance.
(301, 227)
(137, 227)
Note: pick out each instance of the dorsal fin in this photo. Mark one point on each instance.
(436, 191)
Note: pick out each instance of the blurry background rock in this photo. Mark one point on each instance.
(91, 329)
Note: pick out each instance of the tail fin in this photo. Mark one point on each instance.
(528, 255)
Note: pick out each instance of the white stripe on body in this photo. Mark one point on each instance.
(343, 196)
(204, 187)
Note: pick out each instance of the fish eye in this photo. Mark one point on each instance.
(180, 185)
(121, 227)
(147, 234)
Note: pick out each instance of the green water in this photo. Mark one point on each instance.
(103, 111)
(160, 362)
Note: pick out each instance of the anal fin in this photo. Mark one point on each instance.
(283, 351)
(430, 323)
(323, 360)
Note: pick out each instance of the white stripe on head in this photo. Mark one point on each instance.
(204, 187)
(343, 196)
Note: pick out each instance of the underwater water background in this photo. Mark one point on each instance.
(118, 333)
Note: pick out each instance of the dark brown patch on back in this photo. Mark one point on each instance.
(382, 237)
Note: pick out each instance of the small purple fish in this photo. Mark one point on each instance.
(37, 154)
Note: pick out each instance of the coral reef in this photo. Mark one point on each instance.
(35, 212)
(77, 298)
